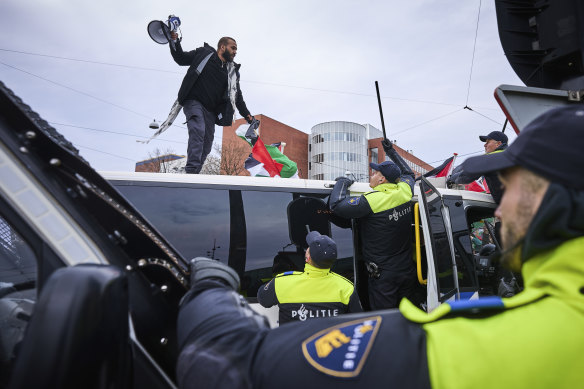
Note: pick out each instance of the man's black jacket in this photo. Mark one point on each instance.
(196, 60)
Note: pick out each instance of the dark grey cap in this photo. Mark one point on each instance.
(389, 170)
(323, 250)
(495, 135)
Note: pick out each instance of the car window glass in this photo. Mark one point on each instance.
(343, 237)
(480, 235)
(195, 221)
(17, 260)
(267, 226)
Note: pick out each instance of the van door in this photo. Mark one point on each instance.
(451, 271)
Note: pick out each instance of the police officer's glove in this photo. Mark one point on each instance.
(347, 180)
(203, 268)
(506, 289)
(449, 182)
(387, 145)
(251, 120)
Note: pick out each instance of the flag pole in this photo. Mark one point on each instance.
(380, 109)
(452, 165)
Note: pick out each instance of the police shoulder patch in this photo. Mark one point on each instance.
(476, 305)
(341, 351)
(354, 200)
(288, 273)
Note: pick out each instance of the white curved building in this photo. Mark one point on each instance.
(338, 147)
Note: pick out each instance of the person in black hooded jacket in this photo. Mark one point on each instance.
(209, 95)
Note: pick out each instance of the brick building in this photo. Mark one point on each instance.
(377, 155)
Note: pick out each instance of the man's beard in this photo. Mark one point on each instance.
(510, 256)
(227, 56)
(513, 233)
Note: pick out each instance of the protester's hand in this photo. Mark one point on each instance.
(347, 180)
(173, 35)
(253, 126)
(450, 182)
(387, 145)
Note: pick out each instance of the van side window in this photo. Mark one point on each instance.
(246, 229)
(195, 221)
(267, 227)
(343, 237)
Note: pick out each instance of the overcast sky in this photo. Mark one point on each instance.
(304, 62)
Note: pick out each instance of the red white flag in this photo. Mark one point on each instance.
(479, 185)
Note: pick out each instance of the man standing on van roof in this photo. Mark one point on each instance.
(495, 142)
(385, 225)
(531, 340)
(315, 292)
(209, 95)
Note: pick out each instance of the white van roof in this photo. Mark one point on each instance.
(275, 183)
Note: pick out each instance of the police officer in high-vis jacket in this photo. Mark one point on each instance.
(531, 340)
(495, 142)
(385, 225)
(315, 292)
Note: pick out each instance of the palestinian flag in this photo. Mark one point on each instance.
(443, 170)
(479, 185)
(266, 160)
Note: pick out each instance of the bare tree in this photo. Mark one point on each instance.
(233, 155)
(212, 164)
(159, 161)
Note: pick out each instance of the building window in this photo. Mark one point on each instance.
(343, 136)
(337, 136)
(374, 154)
(345, 156)
(318, 158)
(317, 139)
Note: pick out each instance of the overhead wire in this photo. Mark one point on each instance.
(265, 83)
(104, 152)
(114, 132)
(242, 81)
(90, 61)
(473, 54)
(458, 155)
(478, 113)
(428, 121)
(250, 81)
(75, 90)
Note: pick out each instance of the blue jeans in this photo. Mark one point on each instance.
(201, 126)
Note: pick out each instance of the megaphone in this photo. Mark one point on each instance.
(160, 31)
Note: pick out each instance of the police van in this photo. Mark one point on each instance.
(258, 227)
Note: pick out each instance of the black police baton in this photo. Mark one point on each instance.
(380, 110)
